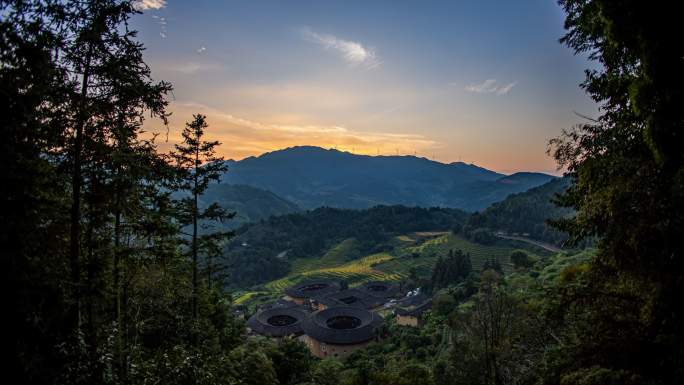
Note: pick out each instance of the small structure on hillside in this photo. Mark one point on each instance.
(303, 292)
(278, 322)
(349, 297)
(380, 289)
(409, 311)
(239, 311)
(338, 331)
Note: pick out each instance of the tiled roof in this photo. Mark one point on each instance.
(319, 325)
(313, 289)
(413, 306)
(278, 322)
(351, 297)
(380, 289)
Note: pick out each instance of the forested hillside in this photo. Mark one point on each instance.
(250, 204)
(526, 213)
(410, 260)
(260, 251)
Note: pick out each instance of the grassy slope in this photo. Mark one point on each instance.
(555, 267)
(417, 250)
(429, 250)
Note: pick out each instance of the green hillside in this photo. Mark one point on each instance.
(272, 248)
(526, 213)
(418, 250)
(249, 203)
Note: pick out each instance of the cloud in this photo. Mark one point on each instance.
(354, 53)
(504, 90)
(490, 86)
(144, 5)
(192, 67)
(162, 25)
(243, 137)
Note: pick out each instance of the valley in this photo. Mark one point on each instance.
(415, 253)
(181, 205)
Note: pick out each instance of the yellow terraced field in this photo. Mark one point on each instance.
(246, 297)
(354, 272)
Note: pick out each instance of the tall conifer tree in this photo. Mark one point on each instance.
(199, 165)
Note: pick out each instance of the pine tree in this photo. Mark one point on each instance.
(198, 166)
(33, 95)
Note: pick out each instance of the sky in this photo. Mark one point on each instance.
(483, 82)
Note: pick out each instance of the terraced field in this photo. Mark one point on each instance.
(429, 250)
(247, 296)
(353, 272)
(416, 250)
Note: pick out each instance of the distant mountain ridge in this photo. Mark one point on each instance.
(313, 177)
(250, 204)
(526, 213)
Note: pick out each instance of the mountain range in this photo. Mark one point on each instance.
(250, 204)
(312, 177)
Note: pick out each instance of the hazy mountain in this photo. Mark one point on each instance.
(250, 203)
(482, 194)
(313, 177)
(526, 213)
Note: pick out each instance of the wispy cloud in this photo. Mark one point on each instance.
(144, 5)
(162, 25)
(504, 90)
(354, 53)
(193, 67)
(490, 86)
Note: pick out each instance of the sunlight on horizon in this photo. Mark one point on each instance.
(444, 87)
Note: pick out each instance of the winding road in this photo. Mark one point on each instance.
(543, 245)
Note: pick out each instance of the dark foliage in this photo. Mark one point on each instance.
(492, 264)
(98, 290)
(627, 169)
(525, 213)
(198, 166)
(450, 270)
(521, 259)
(253, 254)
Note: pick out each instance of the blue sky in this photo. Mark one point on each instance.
(479, 81)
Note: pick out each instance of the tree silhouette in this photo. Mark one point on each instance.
(198, 166)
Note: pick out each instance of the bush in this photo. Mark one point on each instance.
(520, 259)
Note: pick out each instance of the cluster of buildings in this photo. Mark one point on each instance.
(334, 321)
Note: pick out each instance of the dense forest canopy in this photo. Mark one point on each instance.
(101, 283)
(627, 169)
(527, 213)
(257, 252)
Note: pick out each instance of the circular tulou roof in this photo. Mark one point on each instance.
(342, 325)
(380, 289)
(311, 289)
(277, 322)
(353, 298)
